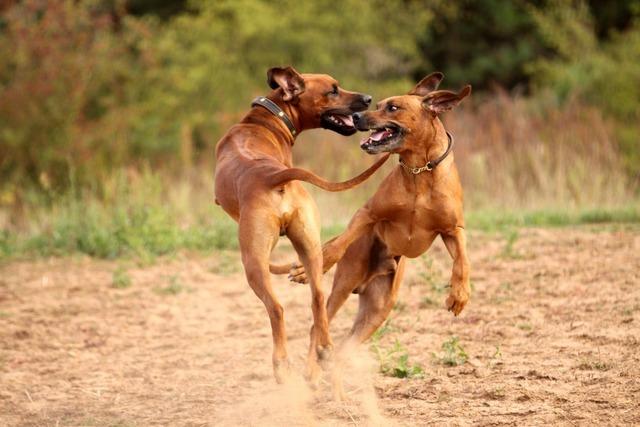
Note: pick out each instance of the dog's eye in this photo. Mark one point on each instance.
(334, 91)
(392, 108)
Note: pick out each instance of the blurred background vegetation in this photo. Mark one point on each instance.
(110, 110)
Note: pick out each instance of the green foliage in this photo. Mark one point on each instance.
(64, 104)
(93, 100)
(481, 42)
(121, 279)
(134, 217)
(383, 330)
(394, 361)
(511, 236)
(453, 354)
(490, 220)
(605, 73)
(173, 287)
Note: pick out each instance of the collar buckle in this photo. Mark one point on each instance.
(430, 164)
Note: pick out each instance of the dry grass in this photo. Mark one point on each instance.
(522, 162)
(511, 153)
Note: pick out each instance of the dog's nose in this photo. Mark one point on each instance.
(366, 99)
(356, 117)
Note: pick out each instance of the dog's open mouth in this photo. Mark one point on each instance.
(382, 138)
(340, 122)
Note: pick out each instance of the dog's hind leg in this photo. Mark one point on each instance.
(304, 233)
(375, 303)
(258, 234)
(351, 271)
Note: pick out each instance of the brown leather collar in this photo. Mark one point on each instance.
(432, 163)
(274, 109)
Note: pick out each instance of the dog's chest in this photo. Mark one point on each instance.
(408, 225)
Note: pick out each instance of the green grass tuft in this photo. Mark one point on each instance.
(394, 361)
(174, 287)
(491, 220)
(120, 279)
(453, 354)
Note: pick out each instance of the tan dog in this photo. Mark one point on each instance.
(419, 200)
(255, 185)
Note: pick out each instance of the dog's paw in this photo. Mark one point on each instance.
(282, 370)
(325, 356)
(298, 274)
(456, 300)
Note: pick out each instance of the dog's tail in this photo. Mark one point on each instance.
(279, 269)
(297, 174)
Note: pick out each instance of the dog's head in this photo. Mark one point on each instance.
(401, 122)
(318, 99)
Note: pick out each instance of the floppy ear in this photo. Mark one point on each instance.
(444, 100)
(427, 84)
(288, 79)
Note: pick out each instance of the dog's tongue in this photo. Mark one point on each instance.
(347, 120)
(377, 136)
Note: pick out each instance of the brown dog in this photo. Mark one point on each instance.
(419, 200)
(255, 185)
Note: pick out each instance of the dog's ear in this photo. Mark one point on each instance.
(444, 100)
(427, 84)
(288, 79)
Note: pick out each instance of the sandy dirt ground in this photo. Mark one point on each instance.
(551, 337)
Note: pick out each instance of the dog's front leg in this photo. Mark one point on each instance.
(456, 243)
(333, 250)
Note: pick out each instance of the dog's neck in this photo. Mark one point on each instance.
(427, 150)
(274, 124)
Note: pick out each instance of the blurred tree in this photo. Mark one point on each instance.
(214, 57)
(161, 8)
(63, 93)
(482, 42)
(604, 73)
(87, 86)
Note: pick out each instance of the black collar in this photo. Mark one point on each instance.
(273, 108)
(430, 164)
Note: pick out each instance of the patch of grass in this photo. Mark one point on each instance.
(383, 330)
(400, 307)
(594, 365)
(497, 354)
(492, 220)
(524, 326)
(508, 251)
(428, 274)
(394, 361)
(428, 302)
(133, 218)
(227, 263)
(120, 278)
(174, 287)
(453, 354)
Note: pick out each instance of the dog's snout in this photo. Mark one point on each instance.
(359, 121)
(360, 102)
